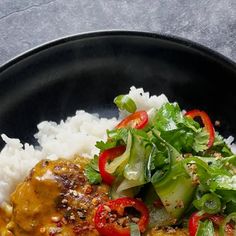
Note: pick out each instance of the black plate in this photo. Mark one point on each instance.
(88, 71)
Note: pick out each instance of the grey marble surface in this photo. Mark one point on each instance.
(25, 24)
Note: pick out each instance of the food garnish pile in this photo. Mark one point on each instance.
(168, 171)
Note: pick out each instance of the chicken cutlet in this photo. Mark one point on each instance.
(56, 200)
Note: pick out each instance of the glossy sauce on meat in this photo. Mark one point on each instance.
(56, 200)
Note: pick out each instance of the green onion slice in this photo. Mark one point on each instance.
(124, 102)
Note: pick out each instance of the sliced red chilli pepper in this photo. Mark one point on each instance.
(114, 217)
(194, 222)
(137, 120)
(206, 122)
(104, 158)
(197, 216)
(216, 220)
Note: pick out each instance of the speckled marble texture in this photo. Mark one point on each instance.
(25, 24)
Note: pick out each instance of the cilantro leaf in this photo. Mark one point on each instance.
(94, 163)
(92, 171)
(118, 134)
(182, 139)
(200, 141)
(183, 133)
(167, 117)
(116, 137)
(105, 145)
(93, 176)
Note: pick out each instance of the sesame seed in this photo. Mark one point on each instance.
(64, 201)
(107, 208)
(135, 219)
(42, 230)
(55, 219)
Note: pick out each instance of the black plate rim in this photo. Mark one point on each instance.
(96, 34)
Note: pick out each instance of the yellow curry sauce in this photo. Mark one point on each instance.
(56, 199)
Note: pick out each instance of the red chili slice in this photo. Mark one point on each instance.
(137, 120)
(104, 158)
(206, 122)
(216, 219)
(194, 222)
(109, 216)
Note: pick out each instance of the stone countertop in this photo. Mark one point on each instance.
(25, 24)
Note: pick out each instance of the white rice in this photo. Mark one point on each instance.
(75, 135)
(144, 101)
